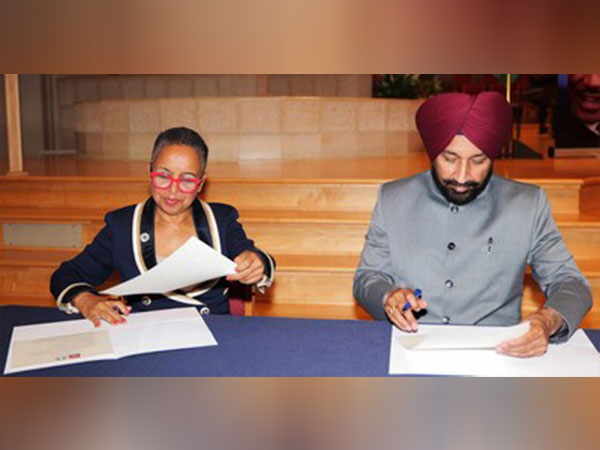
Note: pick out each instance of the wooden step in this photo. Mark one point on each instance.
(344, 233)
(108, 193)
(314, 232)
(590, 196)
(315, 284)
(590, 321)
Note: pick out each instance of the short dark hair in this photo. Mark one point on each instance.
(180, 136)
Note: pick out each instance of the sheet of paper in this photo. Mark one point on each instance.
(575, 358)
(192, 263)
(61, 343)
(459, 337)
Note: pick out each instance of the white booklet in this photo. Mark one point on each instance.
(192, 263)
(469, 350)
(60, 343)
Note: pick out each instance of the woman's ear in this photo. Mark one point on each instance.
(201, 185)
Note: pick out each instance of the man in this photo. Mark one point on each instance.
(579, 126)
(465, 236)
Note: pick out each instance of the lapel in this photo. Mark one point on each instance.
(145, 232)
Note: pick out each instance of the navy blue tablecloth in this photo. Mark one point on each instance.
(248, 346)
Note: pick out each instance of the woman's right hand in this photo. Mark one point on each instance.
(101, 307)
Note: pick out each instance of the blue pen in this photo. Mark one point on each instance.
(417, 293)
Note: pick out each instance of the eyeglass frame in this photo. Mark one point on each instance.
(178, 180)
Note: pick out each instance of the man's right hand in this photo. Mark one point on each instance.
(394, 304)
(101, 307)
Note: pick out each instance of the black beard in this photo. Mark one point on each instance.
(460, 198)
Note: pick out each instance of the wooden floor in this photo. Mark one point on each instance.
(312, 215)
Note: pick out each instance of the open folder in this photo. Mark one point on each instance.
(60, 343)
(469, 350)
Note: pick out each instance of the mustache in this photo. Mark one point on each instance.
(468, 184)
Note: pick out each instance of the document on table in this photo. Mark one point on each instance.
(60, 343)
(192, 263)
(469, 350)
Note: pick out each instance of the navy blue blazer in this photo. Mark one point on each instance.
(126, 244)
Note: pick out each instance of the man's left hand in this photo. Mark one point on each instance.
(249, 268)
(542, 325)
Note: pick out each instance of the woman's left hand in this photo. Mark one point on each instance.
(250, 268)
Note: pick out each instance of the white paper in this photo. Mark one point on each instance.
(459, 337)
(60, 343)
(576, 358)
(191, 264)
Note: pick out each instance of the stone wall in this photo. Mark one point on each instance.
(85, 88)
(246, 128)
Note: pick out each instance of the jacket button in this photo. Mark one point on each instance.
(146, 301)
(451, 246)
(449, 283)
(446, 320)
(454, 209)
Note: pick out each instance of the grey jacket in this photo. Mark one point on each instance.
(469, 260)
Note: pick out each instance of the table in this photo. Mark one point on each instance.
(248, 346)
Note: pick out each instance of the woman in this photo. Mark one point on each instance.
(136, 238)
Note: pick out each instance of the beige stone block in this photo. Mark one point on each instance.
(238, 85)
(260, 115)
(300, 115)
(206, 85)
(92, 118)
(302, 85)
(339, 145)
(398, 115)
(178, 113)
(326, 85)
(66, 117)
(110, 87)
(87, 89)
(155, 86)
(348, 86)
(115, 116)
(93, 144)
(179, 86)
(365, 86)
(222, 147)
(218, 115)
(115, 146)
(301, 145)
(140, 146)
(338, 115)
(371, 115)
(279, 85)
(262, 85)
(144, 116)
(413, 142)
(80, 144)
(372, 143)
(396, 143)
(132, 86)
(260, 146)
(67, 139)
(79, 116)
(66, 92)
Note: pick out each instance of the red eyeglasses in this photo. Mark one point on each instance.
(187, 184)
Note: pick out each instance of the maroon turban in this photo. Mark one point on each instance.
(485, 119)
